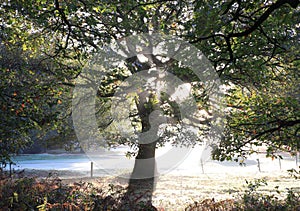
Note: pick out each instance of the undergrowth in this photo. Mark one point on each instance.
(51, 194)
(251, 199)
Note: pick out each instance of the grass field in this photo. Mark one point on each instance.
(174, 191)
(196, 180)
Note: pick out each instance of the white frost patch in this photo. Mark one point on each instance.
(193, 165)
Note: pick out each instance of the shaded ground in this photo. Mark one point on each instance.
(174, 192)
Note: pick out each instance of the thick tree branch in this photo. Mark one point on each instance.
(265, 15)
(281, 124)
(65, 20)
(255, 26)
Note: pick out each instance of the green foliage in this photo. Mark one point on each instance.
(268, 117)
(294, 173)
(252, 199)
(33, 97)
(32, 101)
(253, 45)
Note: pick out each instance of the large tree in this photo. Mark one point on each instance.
(253, 45)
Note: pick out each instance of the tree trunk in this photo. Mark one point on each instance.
(142, 181)
(144, 166)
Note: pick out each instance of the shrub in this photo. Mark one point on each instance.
(252, 200)
(51, 194)
(211, 204)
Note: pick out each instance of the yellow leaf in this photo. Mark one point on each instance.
(24, 47)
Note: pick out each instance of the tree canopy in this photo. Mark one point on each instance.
(253, 45)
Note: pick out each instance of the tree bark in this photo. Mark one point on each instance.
(142, 181)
